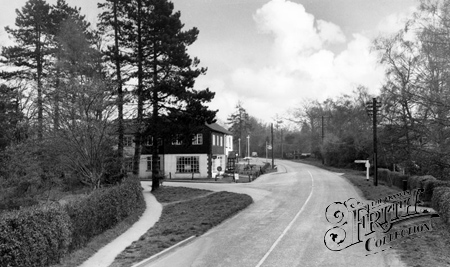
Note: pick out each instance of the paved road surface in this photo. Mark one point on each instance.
(284, 227)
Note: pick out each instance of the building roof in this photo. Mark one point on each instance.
(130, 127)
(216, 127)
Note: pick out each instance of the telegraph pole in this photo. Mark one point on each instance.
(323, 135)
(271, 130)
(372, 110)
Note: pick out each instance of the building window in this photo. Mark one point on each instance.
(188, 165)
(128, 165)
(214, 139)
(177, 141)
(198, 139)
(149, 163)
(221, 141)
(128, 141)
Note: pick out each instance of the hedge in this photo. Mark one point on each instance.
(391, 178)
(440, 202)
(430, 184)
(383, 175)
(42, 235)
(419, 181)
(34, 236)
(102, 210)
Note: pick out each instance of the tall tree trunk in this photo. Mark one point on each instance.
(140, 105)
(39, 84)
(56, 101)
(119, 88)
(155, 170)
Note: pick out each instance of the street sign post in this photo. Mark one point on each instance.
(367, 164)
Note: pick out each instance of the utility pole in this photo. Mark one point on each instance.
(372, 110)
(271, 130)
(266, 149)
(248, 146)
(323, 135)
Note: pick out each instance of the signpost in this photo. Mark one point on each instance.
(367, 166)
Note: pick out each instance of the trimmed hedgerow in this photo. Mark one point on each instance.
(383, 175)
(396, 179)
(391, 178)
(419, 181)
(430, 185)
(42, 235)
(34, 236)
(440, 202)
(102, 210)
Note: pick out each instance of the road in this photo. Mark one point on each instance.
(284, 227)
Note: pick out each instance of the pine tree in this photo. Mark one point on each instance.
(239, 123)
(60, 15)
(113, 18)
(10, 116)
(29, 53)
(169, 77)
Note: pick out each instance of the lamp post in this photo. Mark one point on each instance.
(372, 110)
(248, 146)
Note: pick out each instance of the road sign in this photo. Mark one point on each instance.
(367, 166)
(269, 147)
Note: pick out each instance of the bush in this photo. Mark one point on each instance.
(102, 210)
(391, 178)
(419, 181)
(383, 175)
(430, 185)
(34, 236)
(14, 203)
(440, 202)
(413, 182)
(396, 179)
(265, 168)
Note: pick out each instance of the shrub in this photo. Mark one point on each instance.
(391, 178)
(413, 182)
(34, 236)
(430, 185)
(396, 179)
(383, 175)
(419, 181)
(102, 210)
(440, 202)
(12, 202)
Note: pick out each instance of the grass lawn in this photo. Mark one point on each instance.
(426, 249)
(186, 212)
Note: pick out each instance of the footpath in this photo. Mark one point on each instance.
(106, 255)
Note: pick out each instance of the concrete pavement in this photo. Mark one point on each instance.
(105, 256)
(284, 227)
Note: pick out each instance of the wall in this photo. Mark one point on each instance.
(170, 166)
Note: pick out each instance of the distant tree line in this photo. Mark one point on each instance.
(414, 132)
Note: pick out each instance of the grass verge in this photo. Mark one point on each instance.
(186, 212)
(426, 249)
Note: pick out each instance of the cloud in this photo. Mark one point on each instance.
(300, 65)
(294, 29)
(395, 22)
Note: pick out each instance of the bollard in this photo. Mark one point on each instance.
(405, 185)
(170, 175)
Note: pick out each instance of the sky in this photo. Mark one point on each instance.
(272, 55)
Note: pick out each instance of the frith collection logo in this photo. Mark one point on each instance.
(371, 223)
